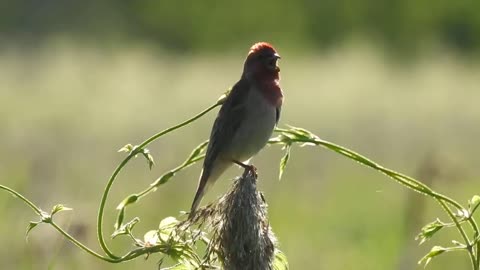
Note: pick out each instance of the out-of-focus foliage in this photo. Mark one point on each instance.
(199, 25)
(66, 109)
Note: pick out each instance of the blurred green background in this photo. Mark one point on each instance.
(397, 81)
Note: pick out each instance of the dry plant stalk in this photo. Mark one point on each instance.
(241, 235)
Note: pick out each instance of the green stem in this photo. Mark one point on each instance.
(414, 184)
(306, 137)
(127, 257)
(478, 257)
(461, 230)
(25, 200)
(157, 183)
(101, 209)
(478, 252)
(64, 233)
(80, 245)
(100, 236)
(473, 247)
(476, 242)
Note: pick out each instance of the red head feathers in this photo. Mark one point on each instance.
(261, 46)
(261, 68)
(261, 63)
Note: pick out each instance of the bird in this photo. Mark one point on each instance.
(246, 119)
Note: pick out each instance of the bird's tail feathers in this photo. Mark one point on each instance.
(202, 188)
(208, 176)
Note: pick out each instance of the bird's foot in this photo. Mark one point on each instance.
(248, 168)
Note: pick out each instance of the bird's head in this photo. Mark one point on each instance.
(262, 62)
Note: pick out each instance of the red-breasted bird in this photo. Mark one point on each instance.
(246, 119)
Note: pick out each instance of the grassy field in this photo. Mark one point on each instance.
(66, 109)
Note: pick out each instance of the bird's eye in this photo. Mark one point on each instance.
(271, 62)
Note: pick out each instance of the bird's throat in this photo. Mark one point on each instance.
(272, 92)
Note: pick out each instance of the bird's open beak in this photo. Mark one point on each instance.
(276, 56)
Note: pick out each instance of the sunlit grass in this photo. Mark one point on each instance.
(65, 110)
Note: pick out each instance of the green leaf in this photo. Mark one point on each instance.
(30, 226)
(280, 262)
(275, 140)
(284, 161)
(127, 201)
(151, 238)
(167, 222)
(59, 207)
(288, 137)
(197, 152)
(164, 178)
(435, 251)
(125, 228)
(120, 217)
(429, 230)
(149, 157)
(473, 204)
(166, 228)
(127, 148)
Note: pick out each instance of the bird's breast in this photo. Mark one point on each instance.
(272, 92)
(256, 128)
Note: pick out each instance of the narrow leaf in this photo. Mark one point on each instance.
(125, 228)
(429, 230)
(59, 207)
(197, 152)
(149, 157)
(120, 217)
(275, 140)
(127, 148)
(164, 178)
(474, 203)
(151, 162)
(435, 251)
(284, 161)
(280, 262)
(127, 201)
(30, 226)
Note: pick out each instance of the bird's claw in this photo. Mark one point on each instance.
(248, 168)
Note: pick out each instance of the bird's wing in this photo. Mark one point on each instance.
(229, 119)
(278, 111)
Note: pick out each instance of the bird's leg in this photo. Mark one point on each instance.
(247, 167)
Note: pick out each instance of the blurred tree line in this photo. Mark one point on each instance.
(210, 25)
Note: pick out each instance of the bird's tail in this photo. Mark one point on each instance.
(203, 185)
(208, 176)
